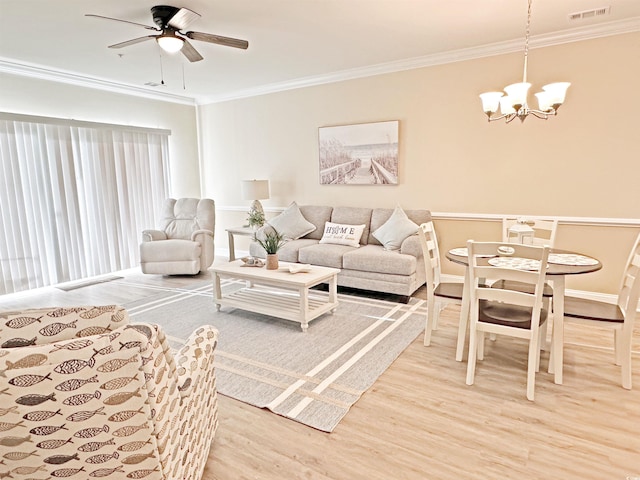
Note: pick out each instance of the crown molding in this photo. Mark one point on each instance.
(500, 48)
(566, 36)
(45, 73)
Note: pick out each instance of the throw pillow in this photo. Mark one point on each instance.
(291, 224)
(341, 234)
(395, 230)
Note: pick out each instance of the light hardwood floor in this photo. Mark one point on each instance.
(420, 420)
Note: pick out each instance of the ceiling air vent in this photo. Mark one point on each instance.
(585, 14)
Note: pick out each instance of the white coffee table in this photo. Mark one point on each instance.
(277, 292)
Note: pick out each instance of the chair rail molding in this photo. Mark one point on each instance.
(497, 217)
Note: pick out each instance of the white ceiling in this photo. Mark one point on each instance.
(291, 42)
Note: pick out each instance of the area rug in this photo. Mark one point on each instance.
(313, 377)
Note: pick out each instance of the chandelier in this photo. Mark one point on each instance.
(514, 103)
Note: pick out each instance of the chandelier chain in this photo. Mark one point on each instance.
(526, 42)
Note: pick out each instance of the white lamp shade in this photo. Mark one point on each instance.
(490, 101)
(255, 189)
(506, 105)
(517, 92)
(170, 44)
(544, 101)
(557, 92)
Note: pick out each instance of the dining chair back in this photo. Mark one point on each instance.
(619, 316)
(438, 293)
(544, 230)
(544, 233)
(505, 311)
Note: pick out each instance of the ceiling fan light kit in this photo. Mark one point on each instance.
(171, 21)
(170, 43)
(514, 103)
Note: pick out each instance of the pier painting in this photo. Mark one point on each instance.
(360, 154)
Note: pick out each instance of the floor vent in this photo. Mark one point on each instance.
(595, 12)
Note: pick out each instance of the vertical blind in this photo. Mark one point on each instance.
(75, 197)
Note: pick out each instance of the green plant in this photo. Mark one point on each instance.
(255, 218)
(272, 242)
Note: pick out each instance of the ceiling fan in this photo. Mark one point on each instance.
(171, 21)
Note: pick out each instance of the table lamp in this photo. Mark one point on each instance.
(255, 190)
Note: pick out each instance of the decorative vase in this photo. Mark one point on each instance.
(272, 261)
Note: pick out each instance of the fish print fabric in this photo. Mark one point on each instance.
(114, 404)
(47, 325)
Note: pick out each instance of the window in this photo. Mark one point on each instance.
(75, 197)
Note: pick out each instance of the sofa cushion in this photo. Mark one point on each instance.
(374, 258)
(395, 230)
(318, 215)
(291, 224)
(170, 250)
(325, 255)
(353, 216)
(380, 215)
(342, 234)
(290, 252)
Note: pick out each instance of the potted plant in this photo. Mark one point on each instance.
(271, 243)
(255, 219)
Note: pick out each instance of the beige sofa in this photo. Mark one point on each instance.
(86, 394)
(369, 266)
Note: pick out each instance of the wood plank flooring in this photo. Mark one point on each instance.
(420, 420)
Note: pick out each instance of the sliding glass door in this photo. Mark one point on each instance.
(75, 197)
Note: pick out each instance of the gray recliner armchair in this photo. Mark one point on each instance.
(183, 244)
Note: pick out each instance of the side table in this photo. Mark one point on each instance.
(243, 232)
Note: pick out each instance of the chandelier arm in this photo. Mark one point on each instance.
(541, 114)
(499, 117)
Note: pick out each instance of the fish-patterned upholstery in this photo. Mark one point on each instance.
(46, 325)
(114, 404)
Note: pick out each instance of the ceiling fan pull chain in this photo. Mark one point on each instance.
(161, 72)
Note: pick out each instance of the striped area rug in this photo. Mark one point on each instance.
(311, 377)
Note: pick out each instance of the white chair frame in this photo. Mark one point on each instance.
(480, 325)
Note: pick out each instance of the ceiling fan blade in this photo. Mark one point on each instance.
(183, 18)
(226, 41)
(132, 42)
(190, 52)
(124, 21)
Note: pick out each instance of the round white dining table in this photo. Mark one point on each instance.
(575, 264)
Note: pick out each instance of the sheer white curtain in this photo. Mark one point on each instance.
(75, 197)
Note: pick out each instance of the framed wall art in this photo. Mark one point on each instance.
(359, 154)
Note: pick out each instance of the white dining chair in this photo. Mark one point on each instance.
(438, 293)
(544, 233)
(619, 316)
(505, 311)
(544, 230)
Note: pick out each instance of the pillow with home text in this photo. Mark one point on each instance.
(341, 234)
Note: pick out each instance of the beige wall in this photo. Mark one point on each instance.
(582, 163)
(32, 96)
